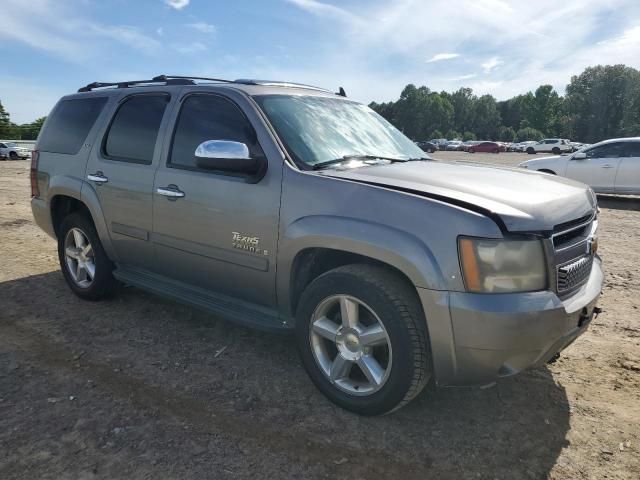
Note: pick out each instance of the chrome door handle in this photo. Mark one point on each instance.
(97, 177)
(171, 191)
(607, 166)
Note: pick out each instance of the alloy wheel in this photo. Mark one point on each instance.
(350, 345)
(79, 258)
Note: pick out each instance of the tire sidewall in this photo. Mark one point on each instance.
(103, 282)
(400, 377)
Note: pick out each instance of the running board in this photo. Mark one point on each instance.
(237, 311)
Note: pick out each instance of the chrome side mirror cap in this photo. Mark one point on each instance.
(579, 156)
(222, 149)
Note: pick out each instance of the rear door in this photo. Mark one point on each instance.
(220, 233)
(121, 170)
(628, 176)
(599, 168)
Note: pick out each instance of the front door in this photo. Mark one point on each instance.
(121, 169)
(599, 168)
(628, 177)
(216, 231)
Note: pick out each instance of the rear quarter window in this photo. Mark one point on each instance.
(69, 124)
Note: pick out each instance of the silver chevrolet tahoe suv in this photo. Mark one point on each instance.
(287, 207)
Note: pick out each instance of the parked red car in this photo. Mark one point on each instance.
(486, 147)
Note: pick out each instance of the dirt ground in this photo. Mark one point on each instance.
(140, 387)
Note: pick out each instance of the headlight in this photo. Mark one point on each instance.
(494, 266)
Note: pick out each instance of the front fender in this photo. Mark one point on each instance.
(385, 244)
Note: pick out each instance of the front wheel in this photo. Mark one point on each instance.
(362, 338)
(84, 263)
(530, 151)
(471, 150)
(13, 155)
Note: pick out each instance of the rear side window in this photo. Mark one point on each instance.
(209, 117)
(69, 125)
(134, 129)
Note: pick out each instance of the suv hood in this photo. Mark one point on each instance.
(522, 201)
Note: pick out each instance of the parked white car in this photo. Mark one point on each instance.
(13, 151)
(612, 166)
(550, 145)
(522, 146)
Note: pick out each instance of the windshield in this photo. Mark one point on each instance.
(321, 129)
(11, 144)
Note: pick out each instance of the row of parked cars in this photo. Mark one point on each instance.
(547, 145)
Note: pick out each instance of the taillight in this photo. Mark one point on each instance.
(35, 191)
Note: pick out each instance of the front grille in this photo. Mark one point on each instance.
(573, 274)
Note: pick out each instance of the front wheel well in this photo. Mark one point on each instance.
(313, 262)
(546, 170)
(62, 206)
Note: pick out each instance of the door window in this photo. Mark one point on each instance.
(610, 150)
(209, 117)
(134, 129)
(633, 149)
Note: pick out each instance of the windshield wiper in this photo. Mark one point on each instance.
(321, 165)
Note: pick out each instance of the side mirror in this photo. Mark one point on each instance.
(225, 155)
(579, 156)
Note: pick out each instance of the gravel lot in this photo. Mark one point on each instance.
(140, 387)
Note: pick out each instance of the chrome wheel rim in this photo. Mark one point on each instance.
(79, 258)
(350, 345)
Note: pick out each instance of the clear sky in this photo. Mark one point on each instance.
(372, 48)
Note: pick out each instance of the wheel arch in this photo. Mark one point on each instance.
(314, 245)
(547, 170)
(69, 195)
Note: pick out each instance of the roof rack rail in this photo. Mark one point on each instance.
(132, 83)
(188, 80)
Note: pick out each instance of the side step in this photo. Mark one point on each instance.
(237, 311)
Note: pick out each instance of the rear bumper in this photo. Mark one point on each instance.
(478, 338)
(42, 215)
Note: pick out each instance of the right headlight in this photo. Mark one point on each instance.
(499, 266)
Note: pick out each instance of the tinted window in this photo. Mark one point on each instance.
(134, 129)
(209, 117)
(69, 124)
(633, 149)
(550, 141)
(610, 150)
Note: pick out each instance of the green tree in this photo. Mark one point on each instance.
(506, 134)
(468, 136)
(603, 102)
(528, 133)
(30, 131)
(487, 118)
(5, 124)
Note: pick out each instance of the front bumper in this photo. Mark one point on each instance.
(478, 338)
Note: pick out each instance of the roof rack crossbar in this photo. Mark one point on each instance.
(161, 78)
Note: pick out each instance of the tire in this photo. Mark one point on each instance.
(432, 150)
(555, 151)
(381, 298)
(471, 150)
(94, 287)
(13, 156)
(496, 151)
(531, 151)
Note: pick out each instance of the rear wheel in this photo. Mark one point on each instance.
(471, 150)
(84, 263)
(362, 338)
(13, 155)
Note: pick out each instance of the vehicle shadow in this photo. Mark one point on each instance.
(185, 365)
(619, 202)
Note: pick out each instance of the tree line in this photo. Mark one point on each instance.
(12, 131)
(602, 102)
